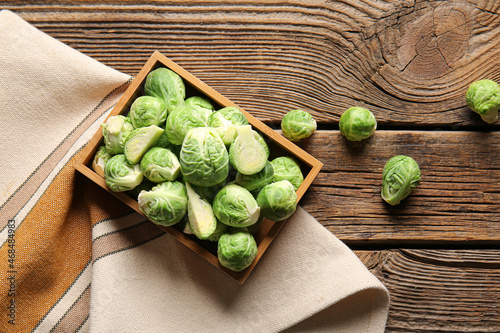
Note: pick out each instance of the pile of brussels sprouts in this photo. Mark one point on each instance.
(206, 171)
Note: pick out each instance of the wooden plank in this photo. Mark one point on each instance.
(439, 290)
(410, 63)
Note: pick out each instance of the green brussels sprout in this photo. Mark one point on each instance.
(165, 204)
(140, 141)
(235, 206)
(201, 216)
(277, 201)
(248, 152)
(236, 251)
(357, 123)
(115, 131)
(148, 110)
(180, 121)
(202, 105)
(120, 175)
(167, 85)
(258, 180)
(204, 158)
(297, 125)
(160, 164)
(225, 120)
(220, 229)
(400, 176)
(286, 168)
(483, 97)
(101, 157)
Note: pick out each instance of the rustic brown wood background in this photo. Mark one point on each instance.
(408, 61)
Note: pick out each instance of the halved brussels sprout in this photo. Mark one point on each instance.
(297, 125)
(235, 206)
(148, 110)
(483, 97)
(101, 157)
(202, 105)
(165, 204)
(225, 120)
(160, 164)
(167, 85)
(400, 176)
(201, 216)
(248, 152)
(277, 201)
(180, 121)
(140, 141)
(115, 131)
(120, 175)
(204, 158)
(357, 123)
(236, 251)
(258, 180)
(286, 168)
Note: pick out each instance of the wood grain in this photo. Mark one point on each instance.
(410, 62)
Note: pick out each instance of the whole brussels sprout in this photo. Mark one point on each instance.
(483, 97)
(180, 121)
(297, 125)
(115, 131)
(202, 105)
(148, 110)
(248, 152)
(160, 164)
(120, 175)
(225, 120)
(236, 251)
(165, 204)
(167, 85)
(204, 159)
(235, 206)
(286, 168)
(400, 176)
(101, 157)
(258, 180)
(277, 201)
(357, 123)
(201, 216)
(140, 141)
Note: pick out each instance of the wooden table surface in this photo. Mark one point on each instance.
(408, 61)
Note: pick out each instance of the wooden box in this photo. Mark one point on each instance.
(278, 144)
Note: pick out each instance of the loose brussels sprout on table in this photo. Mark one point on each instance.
(235, 206)
(148, 110)
(277, 201)
(115, 131)
(120, 175)
(286, 168)
(225, 121)
(483, 97)
(236, 251)
(297, 125)
(357, 123)
(160, 164)
(248, 152)
(167, 85)
(165, 204)
(400, 176)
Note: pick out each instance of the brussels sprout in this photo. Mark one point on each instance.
(225, 120)
(400, 176)
(167, 85)
(202, 105)
(219, 231)
(148, 110)
(278, 200)
(258, 180)
(160, 164)
(248, 152)
(165, 204)
(236, 251)
(120, 175)
(204, 158)
(357, 123)
(115, 131)
(286, 168)
(201, 216)
(180, 121)
(101, 157)
(140, 141)
(483, 97)
(235, 206)
(297, 125)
